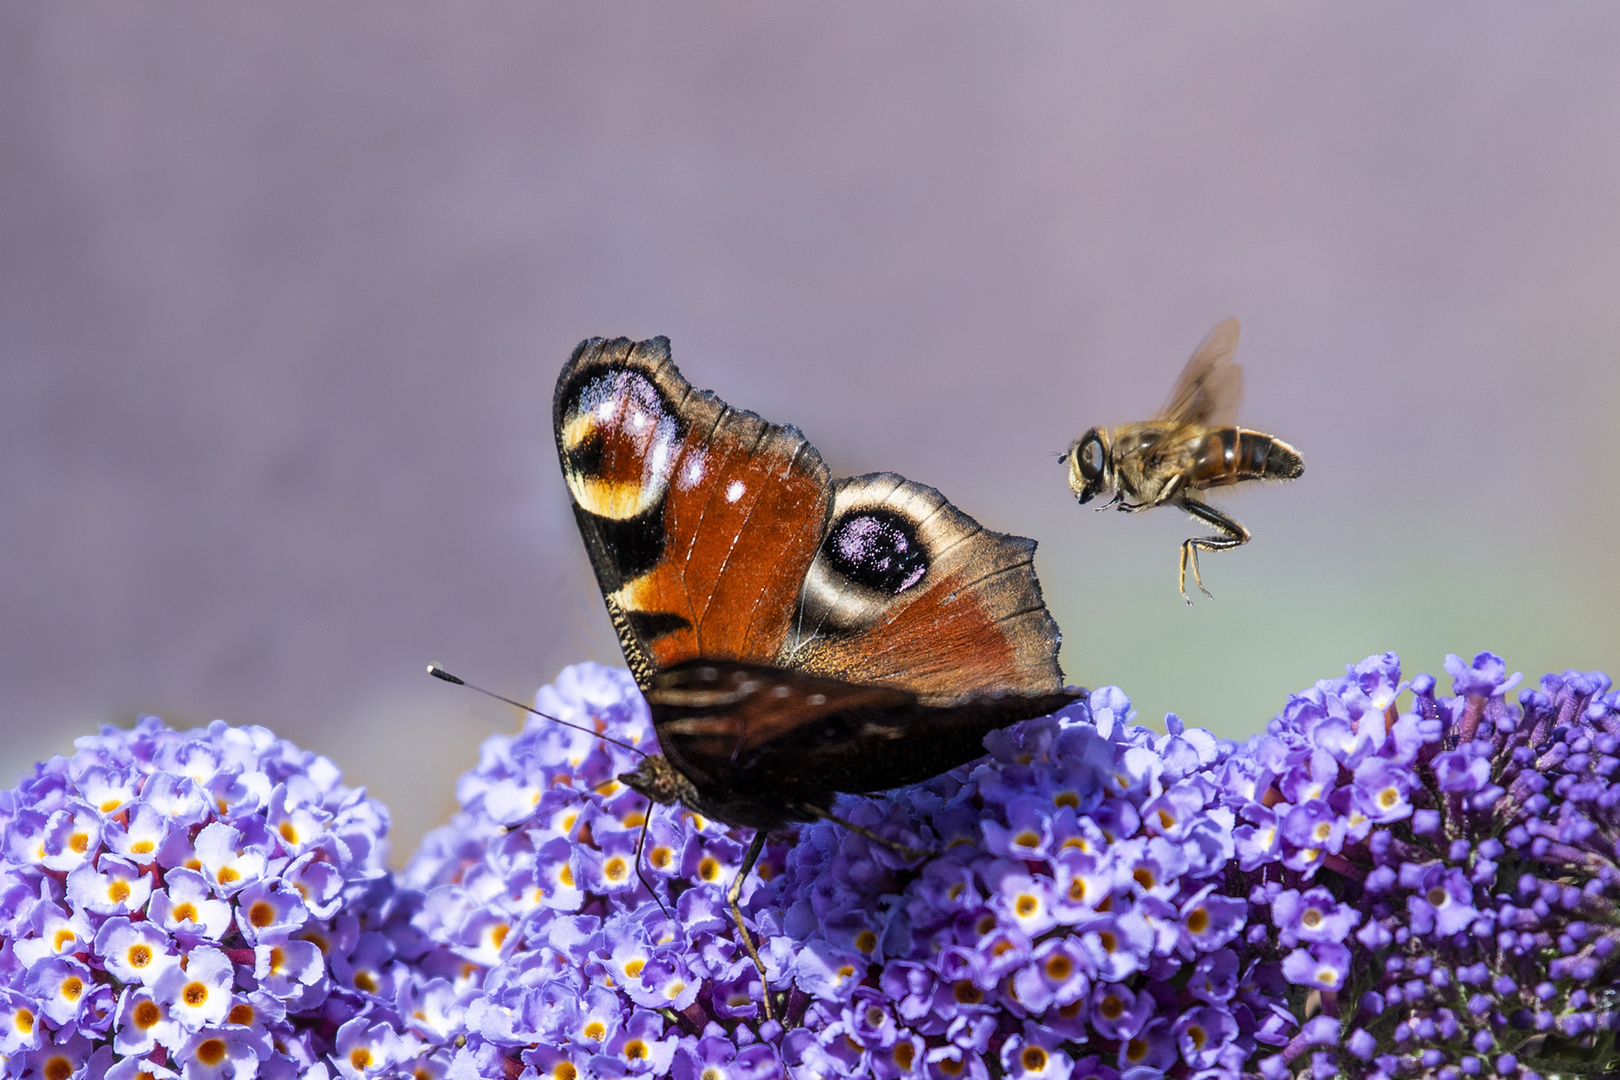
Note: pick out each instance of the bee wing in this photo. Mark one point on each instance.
(1210, 385)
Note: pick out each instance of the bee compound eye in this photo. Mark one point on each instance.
(1089, 456)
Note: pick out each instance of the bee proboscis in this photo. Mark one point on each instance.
(1193, 444)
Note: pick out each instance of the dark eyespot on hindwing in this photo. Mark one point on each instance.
(878, 549)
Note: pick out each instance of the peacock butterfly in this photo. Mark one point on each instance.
(794, 635)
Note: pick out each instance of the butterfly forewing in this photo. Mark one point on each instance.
(675, 493)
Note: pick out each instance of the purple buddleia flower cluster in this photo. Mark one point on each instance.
(1439, 885)
(1073, 921)
(1365, 891)
(203, 905)
(549, 954)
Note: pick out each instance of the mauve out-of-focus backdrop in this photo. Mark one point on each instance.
(284, 291)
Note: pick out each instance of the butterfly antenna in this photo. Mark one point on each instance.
(641, 842)
(439, 673)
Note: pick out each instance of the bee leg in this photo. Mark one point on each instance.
(1165, 494)
(1233, 535)
(908, 853)
(732, 894)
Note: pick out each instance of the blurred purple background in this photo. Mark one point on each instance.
(284, 290)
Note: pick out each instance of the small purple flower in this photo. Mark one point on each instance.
(187, 908)
(1322, 966)
(62, 988)
(717, 1058)
(1258, 841)
(143, 1023)
(1055, 975)
(1442, 901)
(1486, 677)
(1313, 825)
(73, 1056)
(365, 1047)
(868, 1019)
(1028, 832)
(228, 862)
(135, 952)
(1025, 901)
(1117, 1012)
(267, 910)
(1382, 790)
(72, 837)
(1035, 1054)
(1116, 947)
(1215, 977)
(218, 1054)
(111, 887)
(1314, 915)
(1154, 1047)
(1210, 920)
(1203, 1033)
(20, 1027)
(640, 1044)
(198, 995)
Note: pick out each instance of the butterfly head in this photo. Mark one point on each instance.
(659, 781)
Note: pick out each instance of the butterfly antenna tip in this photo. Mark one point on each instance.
(439, 673)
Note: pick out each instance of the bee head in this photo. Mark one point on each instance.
(1091, 469)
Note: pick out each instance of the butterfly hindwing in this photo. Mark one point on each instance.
(907, 590)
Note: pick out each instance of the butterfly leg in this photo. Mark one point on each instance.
(754, 848)
(1233, 535)
(908, 853)
(641, 843)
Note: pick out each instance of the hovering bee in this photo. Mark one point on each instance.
(1192, 444)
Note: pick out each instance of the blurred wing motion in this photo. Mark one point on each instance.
(1209, 387)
